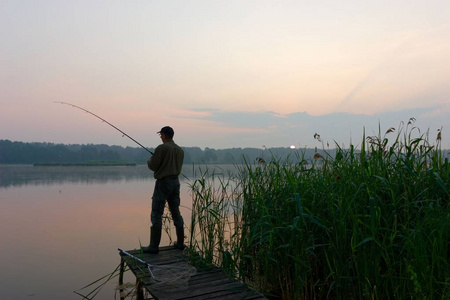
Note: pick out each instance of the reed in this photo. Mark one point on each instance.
(366, 223)
(212, 199)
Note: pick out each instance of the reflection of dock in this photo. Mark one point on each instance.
(213, 283)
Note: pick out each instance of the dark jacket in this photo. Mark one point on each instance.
(167, 160)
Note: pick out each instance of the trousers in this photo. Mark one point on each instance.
(166, 189)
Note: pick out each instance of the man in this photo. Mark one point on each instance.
(166, 164)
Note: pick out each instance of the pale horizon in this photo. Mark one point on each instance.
(223, 74)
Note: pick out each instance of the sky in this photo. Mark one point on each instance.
(224, 74)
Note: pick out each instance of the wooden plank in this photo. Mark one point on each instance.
(191, 293)
(206, 277)
(229, 295)
(213, 283)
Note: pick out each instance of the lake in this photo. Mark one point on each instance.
(60, 227)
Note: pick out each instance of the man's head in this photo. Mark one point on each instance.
(166, 132)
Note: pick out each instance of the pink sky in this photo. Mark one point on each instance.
(223, 74)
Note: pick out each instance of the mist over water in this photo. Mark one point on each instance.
(60, 227)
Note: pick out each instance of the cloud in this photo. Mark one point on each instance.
(440, 111)
(234, 119)
(228, 129)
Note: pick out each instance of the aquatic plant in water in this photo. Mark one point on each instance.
(362, 223)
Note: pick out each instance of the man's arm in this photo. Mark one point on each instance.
(155, 160)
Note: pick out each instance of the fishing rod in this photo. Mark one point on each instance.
(124, 134)
(141, 261)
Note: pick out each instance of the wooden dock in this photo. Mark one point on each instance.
(213, 283)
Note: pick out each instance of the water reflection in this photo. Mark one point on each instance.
(60, 227)
(19, 175)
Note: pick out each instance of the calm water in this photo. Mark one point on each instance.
(60, 227)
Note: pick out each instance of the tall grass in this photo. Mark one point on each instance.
(210, 221)
(368, 223)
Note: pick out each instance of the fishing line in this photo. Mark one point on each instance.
(124, 134)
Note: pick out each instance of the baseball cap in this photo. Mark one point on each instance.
(167, 130)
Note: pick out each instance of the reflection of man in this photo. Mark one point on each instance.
(166, 164)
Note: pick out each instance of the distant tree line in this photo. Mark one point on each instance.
(32, 153)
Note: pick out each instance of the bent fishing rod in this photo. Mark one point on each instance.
(124, 134)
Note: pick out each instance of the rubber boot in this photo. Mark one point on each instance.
(155, 239)
(179, 244)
